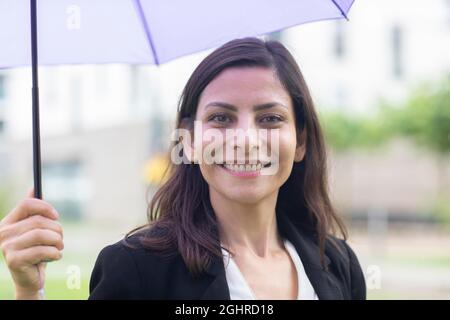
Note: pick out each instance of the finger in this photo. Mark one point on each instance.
(32, 256)
(30, 207)
(41, 269)
(36, 237)
(34, 222)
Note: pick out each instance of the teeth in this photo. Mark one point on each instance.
(241, 167)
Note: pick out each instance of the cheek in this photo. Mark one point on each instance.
(206, 171)
(285, 146)
(212, 175)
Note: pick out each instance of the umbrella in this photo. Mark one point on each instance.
(136, 32)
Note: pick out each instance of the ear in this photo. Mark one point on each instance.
(187, 139)
(301, 146)
(189, 150)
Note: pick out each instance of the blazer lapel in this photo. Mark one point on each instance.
(218, 287)
(323, 282)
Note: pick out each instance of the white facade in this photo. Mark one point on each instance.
(388, 47)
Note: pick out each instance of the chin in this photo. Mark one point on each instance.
(243, 195)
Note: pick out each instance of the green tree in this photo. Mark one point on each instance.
(425, 118)
(343, 131)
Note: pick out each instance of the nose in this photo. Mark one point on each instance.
(247, 139)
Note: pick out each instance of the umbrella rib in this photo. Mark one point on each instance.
(340, 9)
(146, 29)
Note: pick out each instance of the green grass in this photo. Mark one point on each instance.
(437, 261)
(55, 289)
(57, 275)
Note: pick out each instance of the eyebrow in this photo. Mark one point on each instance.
(257, 107)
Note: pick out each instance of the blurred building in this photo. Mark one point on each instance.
(100, 125)
(385, 51)
(382, 53)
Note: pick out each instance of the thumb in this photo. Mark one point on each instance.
(30, 193)
(41, 270)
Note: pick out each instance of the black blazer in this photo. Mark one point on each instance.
(121, 272)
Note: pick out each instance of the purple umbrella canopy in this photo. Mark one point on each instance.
(144, 31)
(53, 32)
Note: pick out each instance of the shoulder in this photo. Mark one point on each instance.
(125, 269)
(131, 248)
(345, 265)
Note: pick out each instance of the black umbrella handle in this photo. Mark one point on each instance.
(35, 104)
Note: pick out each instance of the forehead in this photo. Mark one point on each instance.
(244, 87)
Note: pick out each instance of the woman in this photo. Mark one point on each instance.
(265, 229)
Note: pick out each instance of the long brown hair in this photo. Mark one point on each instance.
(180, 216)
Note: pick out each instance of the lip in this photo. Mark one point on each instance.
(242, 174)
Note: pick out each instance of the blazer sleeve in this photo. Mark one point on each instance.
(115, 275)
(357, 280)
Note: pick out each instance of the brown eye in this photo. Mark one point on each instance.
(219, 118)
(271, 119)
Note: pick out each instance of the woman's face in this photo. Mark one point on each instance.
(244, 88)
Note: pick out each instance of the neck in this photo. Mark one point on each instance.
(247, 228)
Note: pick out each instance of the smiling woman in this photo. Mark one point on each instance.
(246, 225)
(218, 230)
(224, 229)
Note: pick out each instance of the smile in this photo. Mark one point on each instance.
(244, 170)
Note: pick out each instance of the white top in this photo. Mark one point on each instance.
(240, 290)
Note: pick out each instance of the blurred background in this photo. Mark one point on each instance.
(381, 84)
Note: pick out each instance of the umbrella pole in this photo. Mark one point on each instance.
(35, 104)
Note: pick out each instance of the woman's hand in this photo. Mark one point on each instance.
(30, 236)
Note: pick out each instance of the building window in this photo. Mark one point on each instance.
(65, 187)
(339, 40)
(397, 51)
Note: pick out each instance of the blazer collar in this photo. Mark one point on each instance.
(323, 282)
